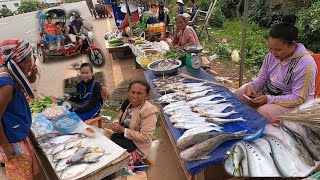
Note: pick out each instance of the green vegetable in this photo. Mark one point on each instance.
(114, 40)
(116, 44)
(139, 42)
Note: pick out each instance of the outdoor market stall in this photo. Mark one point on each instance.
(253, 123)
(67, 148)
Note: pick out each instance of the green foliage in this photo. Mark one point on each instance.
(5, 12)
(203, 4)
(72, 1)
(263, 15)
(229, 38)
(229, 8)
(309, 27)
(28, 6)
(217, 19)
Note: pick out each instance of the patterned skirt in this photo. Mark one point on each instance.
(24, 165)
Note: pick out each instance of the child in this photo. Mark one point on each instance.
(88, 102)
(59, 34)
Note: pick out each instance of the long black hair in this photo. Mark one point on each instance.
(285, 31)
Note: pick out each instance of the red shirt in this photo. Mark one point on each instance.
(50, 28)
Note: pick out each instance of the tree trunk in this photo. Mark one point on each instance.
(238, 9)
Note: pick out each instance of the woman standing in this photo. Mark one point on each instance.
(137, 120)
(16, 73)
(287, 76)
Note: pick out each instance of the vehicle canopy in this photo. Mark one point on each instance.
(55, 13)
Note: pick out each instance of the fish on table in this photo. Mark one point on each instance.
(191, 125)
(73, 171)
(61, 139)
(195, 139)
(209, 107)
(196, 130)
(78, 156)
(210, 114)
(202, 150)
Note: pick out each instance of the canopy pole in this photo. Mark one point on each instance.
(165, 18)
(244, 38)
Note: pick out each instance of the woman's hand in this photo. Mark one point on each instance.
(116, 127)
(259, 101)
(250, 91)
(8, 151)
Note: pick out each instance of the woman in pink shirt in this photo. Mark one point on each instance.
(184, 35)
(287, 75)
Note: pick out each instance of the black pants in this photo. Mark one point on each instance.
(125, 143)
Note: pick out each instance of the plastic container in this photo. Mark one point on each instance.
(67, 122)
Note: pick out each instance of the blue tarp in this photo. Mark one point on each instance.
(118, 15)
(255, 122)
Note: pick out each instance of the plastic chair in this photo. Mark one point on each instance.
(105, 95)
(316, 58)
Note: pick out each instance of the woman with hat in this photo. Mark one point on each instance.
(17, 71)
(134, 15)
(180, 3)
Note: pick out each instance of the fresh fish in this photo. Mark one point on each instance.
(217, 115)
(91, 157)
(175, 104)
(196, 89)
(61, 165)
(176, 95)
(65, 154)
(306, 138)
(202, 150)
(188, 85)
(190, 125)
(181, 111)
(237, 155)
(316, 131)
(259, 159)
(196, 130)
(44, 138)
(297, 146)
(208, 107)
(208, 103)
(197, 94)
(228, 163)
(176, 109)
(223, 121)
(58, 148)
(203, 100)
(77, 156)
(61, 139)
(75, 143)
(187, 119)
(49, 150)
(284, 158)
(73, 171)
(195, 139)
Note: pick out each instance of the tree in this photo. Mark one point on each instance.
(5, 12)
(29, 6)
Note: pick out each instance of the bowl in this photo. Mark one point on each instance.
(153, 67)
(67, 122)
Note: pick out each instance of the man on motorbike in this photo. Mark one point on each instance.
(75, 28)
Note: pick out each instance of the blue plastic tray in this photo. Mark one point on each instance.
(255, 122)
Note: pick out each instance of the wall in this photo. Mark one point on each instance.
(10, 4)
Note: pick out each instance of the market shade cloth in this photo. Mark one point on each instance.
(118, 16)
(254, 122)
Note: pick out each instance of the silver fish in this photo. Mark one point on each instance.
(190, 125)
(73, 171)
(259, 160)
(61, 139)
(61, 165)
(195, 139)
(49, 150)
(65, 154)
(223, 121)
(306, 138)
(287, 163)
(202, 150)
(228, 163)
(175, 104)
(237, 155)
(188, 85)
(187, 119)
(196, 130)
(71, 144)
(44, 138)
(77, 156)
(91, 157)
(208, 107)
(212, 102)
(176, 95)
(171, 111)
(181, 111)
(218, 115)
(197, 94)
(196, 89)
(203, 100)
(58, 148)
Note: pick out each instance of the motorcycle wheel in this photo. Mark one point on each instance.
(96, 57)
(41, 54)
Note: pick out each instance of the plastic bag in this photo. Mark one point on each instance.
(41, 125)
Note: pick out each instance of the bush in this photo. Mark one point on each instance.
(309, 27)
(229, 8)
(217, 18)
(264, 15)
(5, 12)
(28, 6)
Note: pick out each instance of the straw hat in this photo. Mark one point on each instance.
(132, 8)
(180, 1)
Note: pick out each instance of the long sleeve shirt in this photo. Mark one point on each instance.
(297, 88)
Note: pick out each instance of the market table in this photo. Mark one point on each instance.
(255, 122)
(108, 169)
(119, 52)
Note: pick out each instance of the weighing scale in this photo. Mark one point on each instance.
(193, 60)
